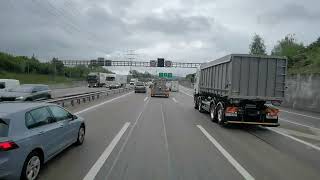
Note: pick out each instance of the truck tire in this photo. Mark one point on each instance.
(213, 112)
(220, 115)
(200, 106)
(195, 100)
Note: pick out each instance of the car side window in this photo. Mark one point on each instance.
(59, 113)
(38, 117)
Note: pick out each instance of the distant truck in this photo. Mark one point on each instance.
(133, 81)
(234, 89)
(96, 79)
(159, 88)
(114, 81)
(7, 84)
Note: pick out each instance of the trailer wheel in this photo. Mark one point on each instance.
(195, 103)
(200, 106)
(212, 112)
(220, 115)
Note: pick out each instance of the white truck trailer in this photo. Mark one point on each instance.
(96, 79)
(114, 81)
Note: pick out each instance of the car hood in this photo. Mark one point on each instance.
(13, 94)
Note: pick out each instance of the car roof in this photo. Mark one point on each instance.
(13, 107)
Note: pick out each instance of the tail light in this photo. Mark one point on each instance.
(8, 145)
(272, 113)
(231, 111)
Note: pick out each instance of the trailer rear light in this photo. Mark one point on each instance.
(8, 145)
(231, 111)
(272, 113)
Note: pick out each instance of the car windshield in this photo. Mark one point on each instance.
(2, 85)
(110, 78)
(139, 84)
(22, 89)
(92, 77)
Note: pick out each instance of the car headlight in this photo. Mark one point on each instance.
(19, 98)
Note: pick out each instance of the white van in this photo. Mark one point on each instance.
(174, 86)
(7, 84)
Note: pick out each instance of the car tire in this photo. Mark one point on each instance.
(34, 162)
(81, 135)
(49, 97)
(212, 113)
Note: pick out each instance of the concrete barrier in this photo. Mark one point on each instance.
(303, 92)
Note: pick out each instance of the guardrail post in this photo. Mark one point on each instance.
(72, 103)
(78, 101)
(84, 100)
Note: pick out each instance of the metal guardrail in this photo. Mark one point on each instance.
(72, 100)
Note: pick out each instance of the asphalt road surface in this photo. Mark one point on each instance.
(134, 136)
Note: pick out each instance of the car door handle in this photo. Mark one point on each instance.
(40, 133)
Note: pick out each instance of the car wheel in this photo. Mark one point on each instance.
(49, 97)
(81, 134)
(31, 166)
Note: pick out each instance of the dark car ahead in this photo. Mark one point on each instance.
(27, 92)
(140, 87)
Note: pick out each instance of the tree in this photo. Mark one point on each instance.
(257, 46)
(290, 48)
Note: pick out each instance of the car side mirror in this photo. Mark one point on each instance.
(74, 117)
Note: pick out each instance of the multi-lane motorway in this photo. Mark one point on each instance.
(134, 136)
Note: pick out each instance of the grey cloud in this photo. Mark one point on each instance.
(289, 13)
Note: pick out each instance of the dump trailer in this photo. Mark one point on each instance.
(237, 89)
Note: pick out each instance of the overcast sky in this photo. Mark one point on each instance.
(180, 30)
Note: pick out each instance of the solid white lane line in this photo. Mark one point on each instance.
(245, 174)
(145, 98)
(126, 140)
(164, 129)
(300, 114)
(174, 99)
(295, 139)
(105, 102)
(104, 156)
(281, 119)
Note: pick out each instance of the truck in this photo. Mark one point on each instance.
(159, 88)
(238, 89)
(96, 79)
(133, 81)
(7, 84)
(174, 86)
(114, 81)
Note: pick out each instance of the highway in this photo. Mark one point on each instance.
(134, 136)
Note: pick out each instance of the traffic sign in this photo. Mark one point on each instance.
(165, 75)
(153, 63)
(168, 63)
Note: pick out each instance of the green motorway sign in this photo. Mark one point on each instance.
(165, 75)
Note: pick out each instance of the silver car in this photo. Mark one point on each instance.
(33, 133)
